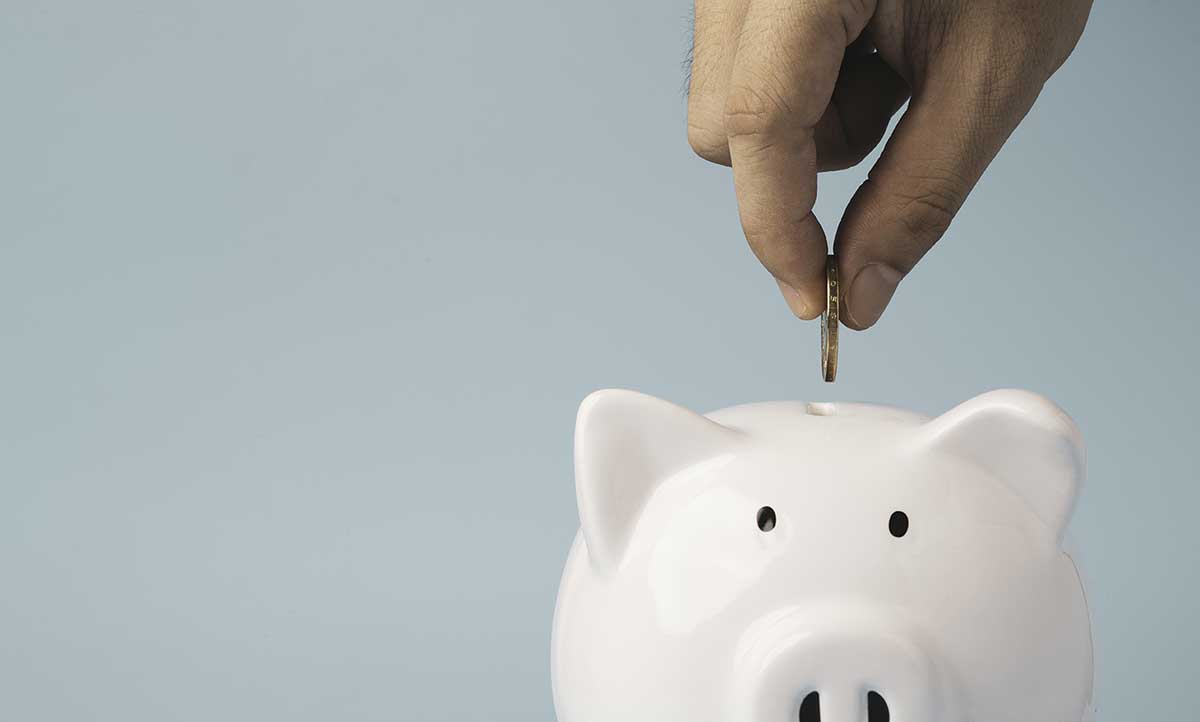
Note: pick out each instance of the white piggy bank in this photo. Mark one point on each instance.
(837, 562)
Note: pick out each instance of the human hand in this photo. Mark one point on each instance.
(782, 89)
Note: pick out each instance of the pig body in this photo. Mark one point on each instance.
(832, 562)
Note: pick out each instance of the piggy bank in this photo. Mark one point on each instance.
(787, 561)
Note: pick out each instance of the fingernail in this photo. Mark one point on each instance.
(870, 292)
(795, 301)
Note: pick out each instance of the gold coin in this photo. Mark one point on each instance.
(829, 322)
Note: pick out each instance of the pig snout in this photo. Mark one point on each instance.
(840, 663)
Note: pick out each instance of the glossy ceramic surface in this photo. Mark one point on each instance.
(917, 559)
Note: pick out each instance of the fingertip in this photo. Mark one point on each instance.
(867, 295)
(804, 308)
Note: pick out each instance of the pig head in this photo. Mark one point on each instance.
(838, 562)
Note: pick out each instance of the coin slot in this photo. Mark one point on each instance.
(810, 708)
(820, 409)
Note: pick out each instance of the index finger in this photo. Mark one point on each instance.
(783, 77)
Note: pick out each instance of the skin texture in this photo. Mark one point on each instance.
(782, 89)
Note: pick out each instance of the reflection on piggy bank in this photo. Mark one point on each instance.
(836, 562)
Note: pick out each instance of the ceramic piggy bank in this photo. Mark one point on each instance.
(837, 562)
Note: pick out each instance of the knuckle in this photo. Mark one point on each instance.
(928, 207)
(1024, 36)
(708, 142)
(757, 231)
(1011, 56)
(1007, 77)
(927, 216)
(754, 111)
(854, 16)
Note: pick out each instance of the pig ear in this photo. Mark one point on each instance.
(1026, 441)
(626, 445)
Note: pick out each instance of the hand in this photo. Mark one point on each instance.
(781, 89)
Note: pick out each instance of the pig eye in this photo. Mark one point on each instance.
(898, 524)
(766, 518)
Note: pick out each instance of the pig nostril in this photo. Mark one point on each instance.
(877, 709)
(810, 708)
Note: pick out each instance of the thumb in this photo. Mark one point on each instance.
(938, 151)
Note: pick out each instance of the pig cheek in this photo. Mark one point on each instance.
(709, 555)
(1001, 575)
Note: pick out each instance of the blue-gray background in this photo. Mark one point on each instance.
(297, 301)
